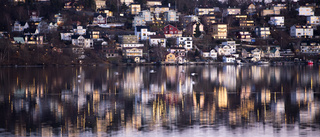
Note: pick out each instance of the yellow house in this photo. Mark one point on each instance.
(219, 31)
(170, 58)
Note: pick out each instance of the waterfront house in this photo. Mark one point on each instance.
(229, 59)
(171, 31)
(212, 54)
(301, 31)
(170, 58)
(132, 52)
(223, 50)
(309, 47)
(232, 45)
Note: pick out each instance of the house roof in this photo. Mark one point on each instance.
(157, 37)
(142, 27)
(102, 14)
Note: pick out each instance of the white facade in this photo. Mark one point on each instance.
(229, 59)
(204, 11)
(232, 44)
(138, 21)
(20, 27)
(156, 41)
(305, 11)
(171, 16)
(301, 31)
(146, 15)
(185, 42)
(277, 21)
(131, 45)
(100, 4)
(313, 20)
(80, 30)
(143, 33)
(66, 36)
(223, 50)
(127, 2)
(83, 42)
(232, 11)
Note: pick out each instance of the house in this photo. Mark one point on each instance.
(143, 32)
(170, 58)
(310, 47)
(301, 31)
(83, 41)
(185, 42)
(188, 19)
(158, 40)
(100, 4)
(20, 26)
(146, 15)
(210, 54)
(191, 28)
(246, 23)
(129, 41)
(219, 31)
(243, 36)
(305, 11)
(171, 16)
(135, 8)
(231, 11)
(223, 50)
(133, 52)
(159, 9)
(313, 20)
(106, 11)
(109, 51)
(18, 40)
(278, 7)
(229, 59)
(33, 39)
(273, 52)
(200, 11)
(277, 21)
(267, 12)
(99, 18)
(151, 3)
(31, 31)
(207, 20)
(240, 17)
(251, 9)
(34, 16)
(232, 45)
(256, 55)
(66, 36)
(95, 34)
(79, 30)
(126, 2)
(263, 32)
(171, 31)
(138, 21)
(177, 50)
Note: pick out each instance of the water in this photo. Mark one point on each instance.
(160, 101)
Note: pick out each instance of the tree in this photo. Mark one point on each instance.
(197, 31)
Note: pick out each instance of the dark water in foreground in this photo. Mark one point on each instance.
(160, 101)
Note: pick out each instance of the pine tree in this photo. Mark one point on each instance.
(197, 31)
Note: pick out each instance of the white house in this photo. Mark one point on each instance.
(232, 45)
(301, 31)
(305, 11)
(20, 26)
(277, 21)
(66, 36)
(263, 32)
(143, 32)
(131, 45)
(138, 21)
(79, 30)
(210, 54)
(231, 11)
(146, 15)
(82, 41)
(313, 20)
(185, 42)
(256, 55)
(223, 50)
(135, 8)
(99, 18)
(156, 40)
(171, 16)
(199, 11)
(229, 59)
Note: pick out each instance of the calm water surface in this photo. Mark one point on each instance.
(160, 101)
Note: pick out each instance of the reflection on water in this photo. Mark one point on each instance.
(174, 101)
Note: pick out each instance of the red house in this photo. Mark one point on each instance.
(171, 31)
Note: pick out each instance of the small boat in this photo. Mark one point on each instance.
(310, 62)
(263, 62)
(193, 74)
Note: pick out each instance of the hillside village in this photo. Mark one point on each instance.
(158, 31)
